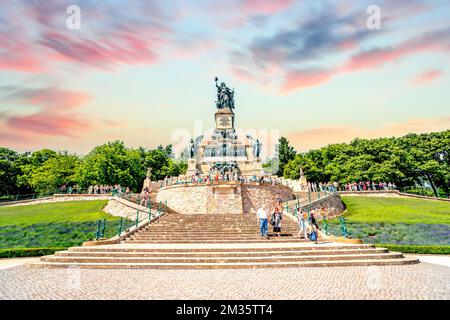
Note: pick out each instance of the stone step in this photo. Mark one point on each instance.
(246, 259)
(196, 231)
(211, 241)
(162, 225)
(234, 265)
(237, 236)
(200, 220)
(253, 247)
(219, 253)
(207, 229)
(210, 233)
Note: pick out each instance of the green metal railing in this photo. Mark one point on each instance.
(325, 224)
(101, 226)
(343, 226)
(133, 219)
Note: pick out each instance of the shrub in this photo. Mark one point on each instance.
(416, 249)
(28, 252)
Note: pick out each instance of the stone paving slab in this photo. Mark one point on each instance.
(419, 281)
(443, 260)
(262, 244)
(14, 262)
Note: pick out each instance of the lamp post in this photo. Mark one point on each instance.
(441, 156)
(429, 177)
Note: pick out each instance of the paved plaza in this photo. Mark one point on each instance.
(419, 281)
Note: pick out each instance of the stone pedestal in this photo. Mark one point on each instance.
(249, 150)
(257, 167)
(147, 183)
(226, 191)
(302, 181)
(192, 167)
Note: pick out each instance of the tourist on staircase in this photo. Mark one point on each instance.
(301, 216)
(314, 235)
(146, 198)
(262, 215)
(276, 220)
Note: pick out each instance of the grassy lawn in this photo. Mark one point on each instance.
(49, 225)
(70, 211)
(417, 225)
(396, 210)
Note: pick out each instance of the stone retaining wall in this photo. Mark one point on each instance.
(329, 202)
(222, 198)
(255, 196)
(119, 207)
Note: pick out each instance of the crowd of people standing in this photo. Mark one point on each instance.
(220, 177)
(106, 189)
(353, 186)
(94, 189)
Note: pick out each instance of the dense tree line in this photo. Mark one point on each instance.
(411, 161)
(415, 160)
(111, 163)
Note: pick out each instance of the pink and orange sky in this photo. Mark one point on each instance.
(139, 71)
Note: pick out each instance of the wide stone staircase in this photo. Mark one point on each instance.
(218, 241)
(208, 228)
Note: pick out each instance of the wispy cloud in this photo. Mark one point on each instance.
(57, 112)
(49, 124)
(110, 36)
(427, 77)
(51, 98)
(313, 51)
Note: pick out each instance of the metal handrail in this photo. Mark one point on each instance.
(136, 219)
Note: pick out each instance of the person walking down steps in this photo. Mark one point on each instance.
(314, 234)
(301, 216)
(262, 215)
(276, 221)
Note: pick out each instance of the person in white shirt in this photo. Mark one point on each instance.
(262, 215)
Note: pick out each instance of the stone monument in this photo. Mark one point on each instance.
(148, 181)
(224, 146)
(302, 180)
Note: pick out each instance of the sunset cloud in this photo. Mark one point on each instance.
(427, 76)
(140, 64)
(437, 41)
(49, 124)
(264, 6)
(300, 79)
(51, 98)
(57, 113)
(109, 36)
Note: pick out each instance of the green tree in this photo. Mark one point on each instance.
(162, 163)
(9, 171)
(286, 153)
(409, 161)
(29, 163)
(112, 163)
(55, 172)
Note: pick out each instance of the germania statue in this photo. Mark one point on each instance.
(225, 96)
